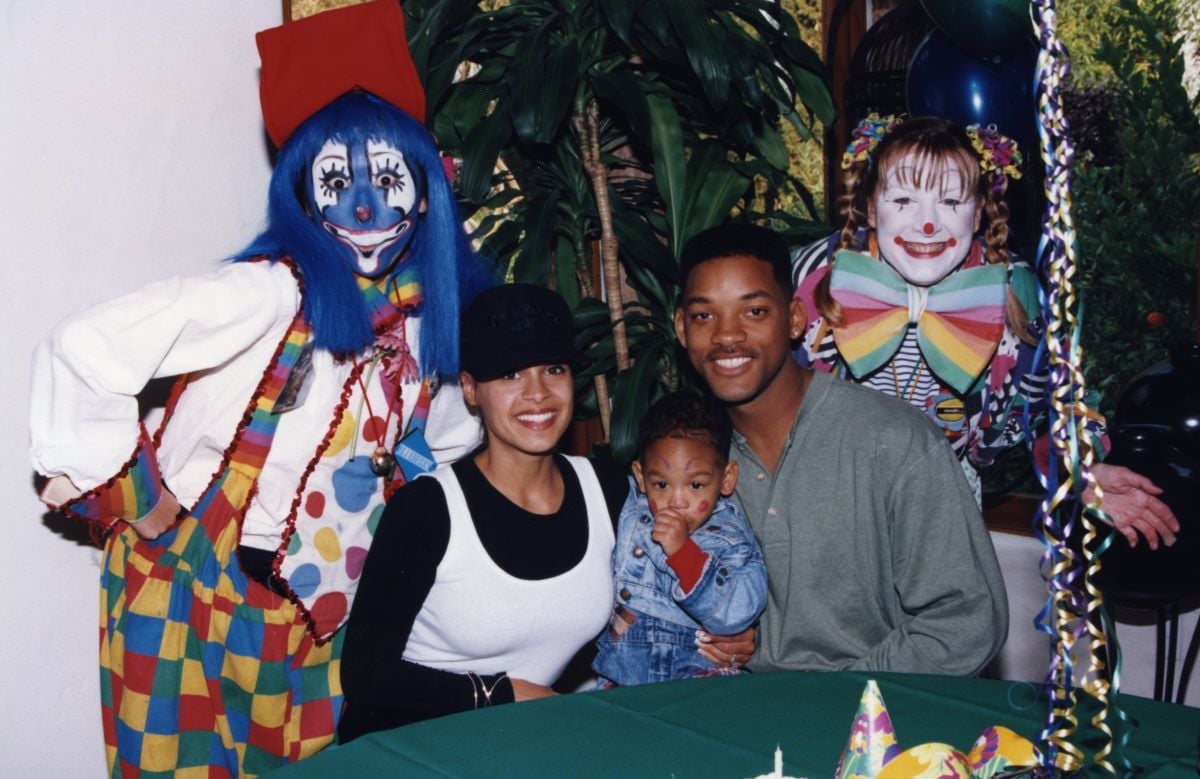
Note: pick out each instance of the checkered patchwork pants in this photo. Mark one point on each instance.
(204, 672)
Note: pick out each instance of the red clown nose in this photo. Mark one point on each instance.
(929, 228)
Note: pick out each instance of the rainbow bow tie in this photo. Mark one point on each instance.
(959, 320)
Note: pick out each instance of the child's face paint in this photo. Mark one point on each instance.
(685, 475)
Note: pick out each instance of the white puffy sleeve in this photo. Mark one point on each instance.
(88, 371)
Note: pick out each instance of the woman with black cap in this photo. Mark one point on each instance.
(486, 579)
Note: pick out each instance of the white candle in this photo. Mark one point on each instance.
(778, 760)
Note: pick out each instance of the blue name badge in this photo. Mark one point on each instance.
(413, 456)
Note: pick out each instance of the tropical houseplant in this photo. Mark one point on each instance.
(605, 133)
(1138, 194)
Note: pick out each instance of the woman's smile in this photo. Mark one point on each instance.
(538, 419)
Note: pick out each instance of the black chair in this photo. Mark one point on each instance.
(1157, 434)
(1166, 610)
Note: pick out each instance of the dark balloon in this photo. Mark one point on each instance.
(982, 27)
(946, 81)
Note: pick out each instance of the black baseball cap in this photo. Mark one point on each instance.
(512, 326)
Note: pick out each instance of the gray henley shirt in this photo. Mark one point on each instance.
(877, 556)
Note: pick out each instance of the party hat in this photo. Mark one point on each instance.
(927, 761)
(872, 740)
(873, 753)
(999, 749)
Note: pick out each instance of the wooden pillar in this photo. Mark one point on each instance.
(844, 23)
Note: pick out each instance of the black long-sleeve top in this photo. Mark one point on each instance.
(382, 690)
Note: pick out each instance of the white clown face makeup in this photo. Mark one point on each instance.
(924, 219)
(364, 195)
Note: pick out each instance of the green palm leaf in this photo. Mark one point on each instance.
(480, 152)
(670, 170)
(705, 48)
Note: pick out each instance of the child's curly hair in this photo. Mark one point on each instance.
(684, 415)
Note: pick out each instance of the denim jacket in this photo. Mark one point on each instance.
(652, 633)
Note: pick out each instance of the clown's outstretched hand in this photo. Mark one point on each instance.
(1132, 501)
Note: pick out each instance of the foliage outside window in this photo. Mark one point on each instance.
(1137, 191)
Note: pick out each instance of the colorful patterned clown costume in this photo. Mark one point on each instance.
(202, 668)
(203, 671)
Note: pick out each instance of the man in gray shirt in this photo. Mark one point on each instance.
(877, 557)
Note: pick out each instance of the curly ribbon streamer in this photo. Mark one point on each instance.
(1074, 606)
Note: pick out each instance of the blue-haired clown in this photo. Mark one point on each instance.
(318, 372)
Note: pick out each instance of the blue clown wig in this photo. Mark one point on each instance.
(449, 273)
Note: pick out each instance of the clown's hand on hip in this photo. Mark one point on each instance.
(59, 491)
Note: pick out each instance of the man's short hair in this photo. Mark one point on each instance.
(684, 415)
(730, 240)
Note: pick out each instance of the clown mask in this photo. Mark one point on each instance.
(365, 196)
(924, 218)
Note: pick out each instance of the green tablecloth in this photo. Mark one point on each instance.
(728, 727)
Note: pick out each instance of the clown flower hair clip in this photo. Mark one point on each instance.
(996, 151)
(867, 135)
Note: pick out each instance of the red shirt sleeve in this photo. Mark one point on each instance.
(688, 563)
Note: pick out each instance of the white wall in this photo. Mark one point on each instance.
(131, 149)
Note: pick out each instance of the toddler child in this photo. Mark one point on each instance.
(685, 558)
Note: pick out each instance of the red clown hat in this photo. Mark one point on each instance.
(308, 63)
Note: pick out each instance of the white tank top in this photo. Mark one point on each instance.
(479, 618)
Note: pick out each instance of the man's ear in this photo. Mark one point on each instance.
(978, 216)
(679, 333)
(871, 213)
(421, 209)
(797, 318)
(637, 476)
(729, 478)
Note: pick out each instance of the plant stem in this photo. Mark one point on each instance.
(590, 140)
(600, 381)
(583, 265)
